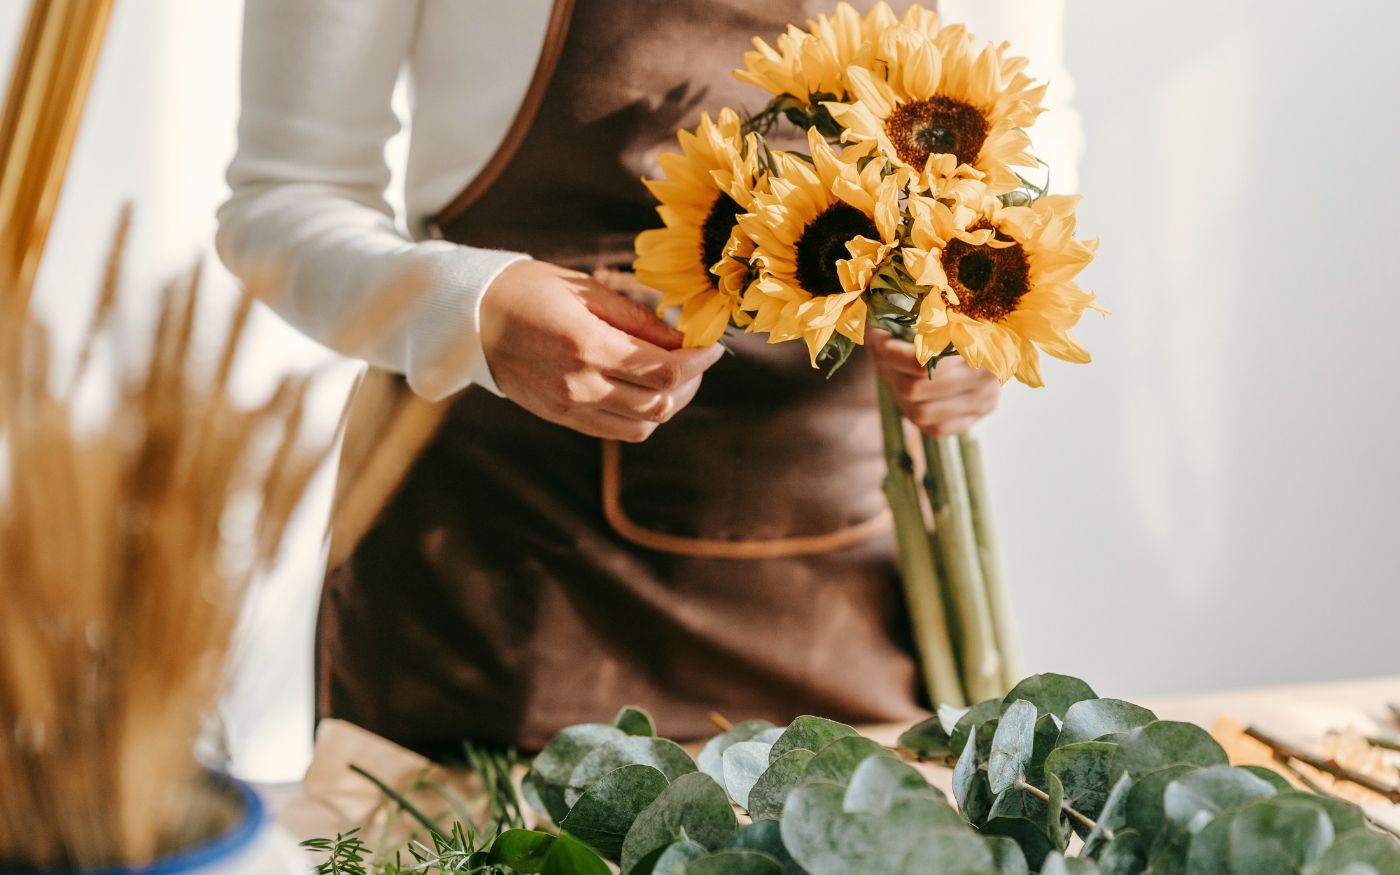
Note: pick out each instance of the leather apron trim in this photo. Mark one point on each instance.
(550, 53)
(713, 548)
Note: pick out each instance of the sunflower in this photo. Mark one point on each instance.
(820, 232)
(1001, 279)
(814, 61)
(699, 260)
(938, 105)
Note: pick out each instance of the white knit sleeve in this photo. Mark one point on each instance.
(308, 185)
(1036, 30)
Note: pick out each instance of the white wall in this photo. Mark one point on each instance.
(1215, 500)
(1212, 502)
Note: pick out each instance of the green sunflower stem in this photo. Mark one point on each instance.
(918, 571)
(954, 534)
(985, 532)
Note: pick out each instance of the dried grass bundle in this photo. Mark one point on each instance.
(120, 581)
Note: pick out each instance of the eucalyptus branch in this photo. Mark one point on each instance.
(1030, 789)
(719, 721)
(1329, 766)
(1083, 819)
(399, 800)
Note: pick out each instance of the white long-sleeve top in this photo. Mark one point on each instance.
(309, 178)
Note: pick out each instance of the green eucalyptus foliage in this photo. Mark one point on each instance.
(1147, 796)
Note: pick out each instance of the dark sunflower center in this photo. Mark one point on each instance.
(988, 281)
(823, 243)
(714, 233)
(937, 126)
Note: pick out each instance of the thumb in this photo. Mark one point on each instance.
(626, 315)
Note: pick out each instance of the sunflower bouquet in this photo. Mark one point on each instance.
(911, 211)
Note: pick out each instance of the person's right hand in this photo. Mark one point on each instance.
(574, 352)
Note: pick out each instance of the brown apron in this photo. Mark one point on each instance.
(525, 577)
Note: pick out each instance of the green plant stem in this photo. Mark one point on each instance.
(984, 531)
(1030, 789)
(953, 532)
(401, 801)
(916, 562)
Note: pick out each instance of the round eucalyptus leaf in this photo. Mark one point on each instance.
(734, 861)
(552, 768)
(878, 782)
(906, 840)
(635, 721)
(1007, 856)
(1124, 854)
(1167, 743)
(927, 739)
(1345, 816)
(765, 836)
(566, 750)
(567, 856)
(712, 754)
(1050, 693)
(1275, 780)
(1276, 836)
(668, 859)
(1144, 810)
(1380, 853)
(970, 786)
(743, 764)
(602, 816)
(1112, 817)
(770, 791)
(1012, 746)
(1209, 853)
(693, 803)
(971, 719)
(523, 850)
(1025, 819)
(1054, 811)
(809, 733)
(837, 761)
(1092, 719)
(665, 756)
(1083, 769)
(1058, 864)
(1194, 799)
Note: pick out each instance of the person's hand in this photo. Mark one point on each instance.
(576, 353)
(946, 403)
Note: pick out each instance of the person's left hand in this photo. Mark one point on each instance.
(948, 402)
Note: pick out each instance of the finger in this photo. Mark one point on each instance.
(931, 413)
(634, 360)
(961, 425)
(943, 384)
(628, 316)
(894, 356)
(608, 425)
(652, 405)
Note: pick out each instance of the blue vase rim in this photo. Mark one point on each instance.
(220, 848)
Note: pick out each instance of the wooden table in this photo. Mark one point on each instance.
(332, 799)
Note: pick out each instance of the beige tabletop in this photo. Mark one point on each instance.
(332, 799)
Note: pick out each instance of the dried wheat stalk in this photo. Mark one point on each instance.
(118, 587)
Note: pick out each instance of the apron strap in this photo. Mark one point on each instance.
(713, 548)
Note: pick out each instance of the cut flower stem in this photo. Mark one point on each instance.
(918, 572)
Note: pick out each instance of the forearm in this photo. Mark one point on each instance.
(330, 256)
(307, 211)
